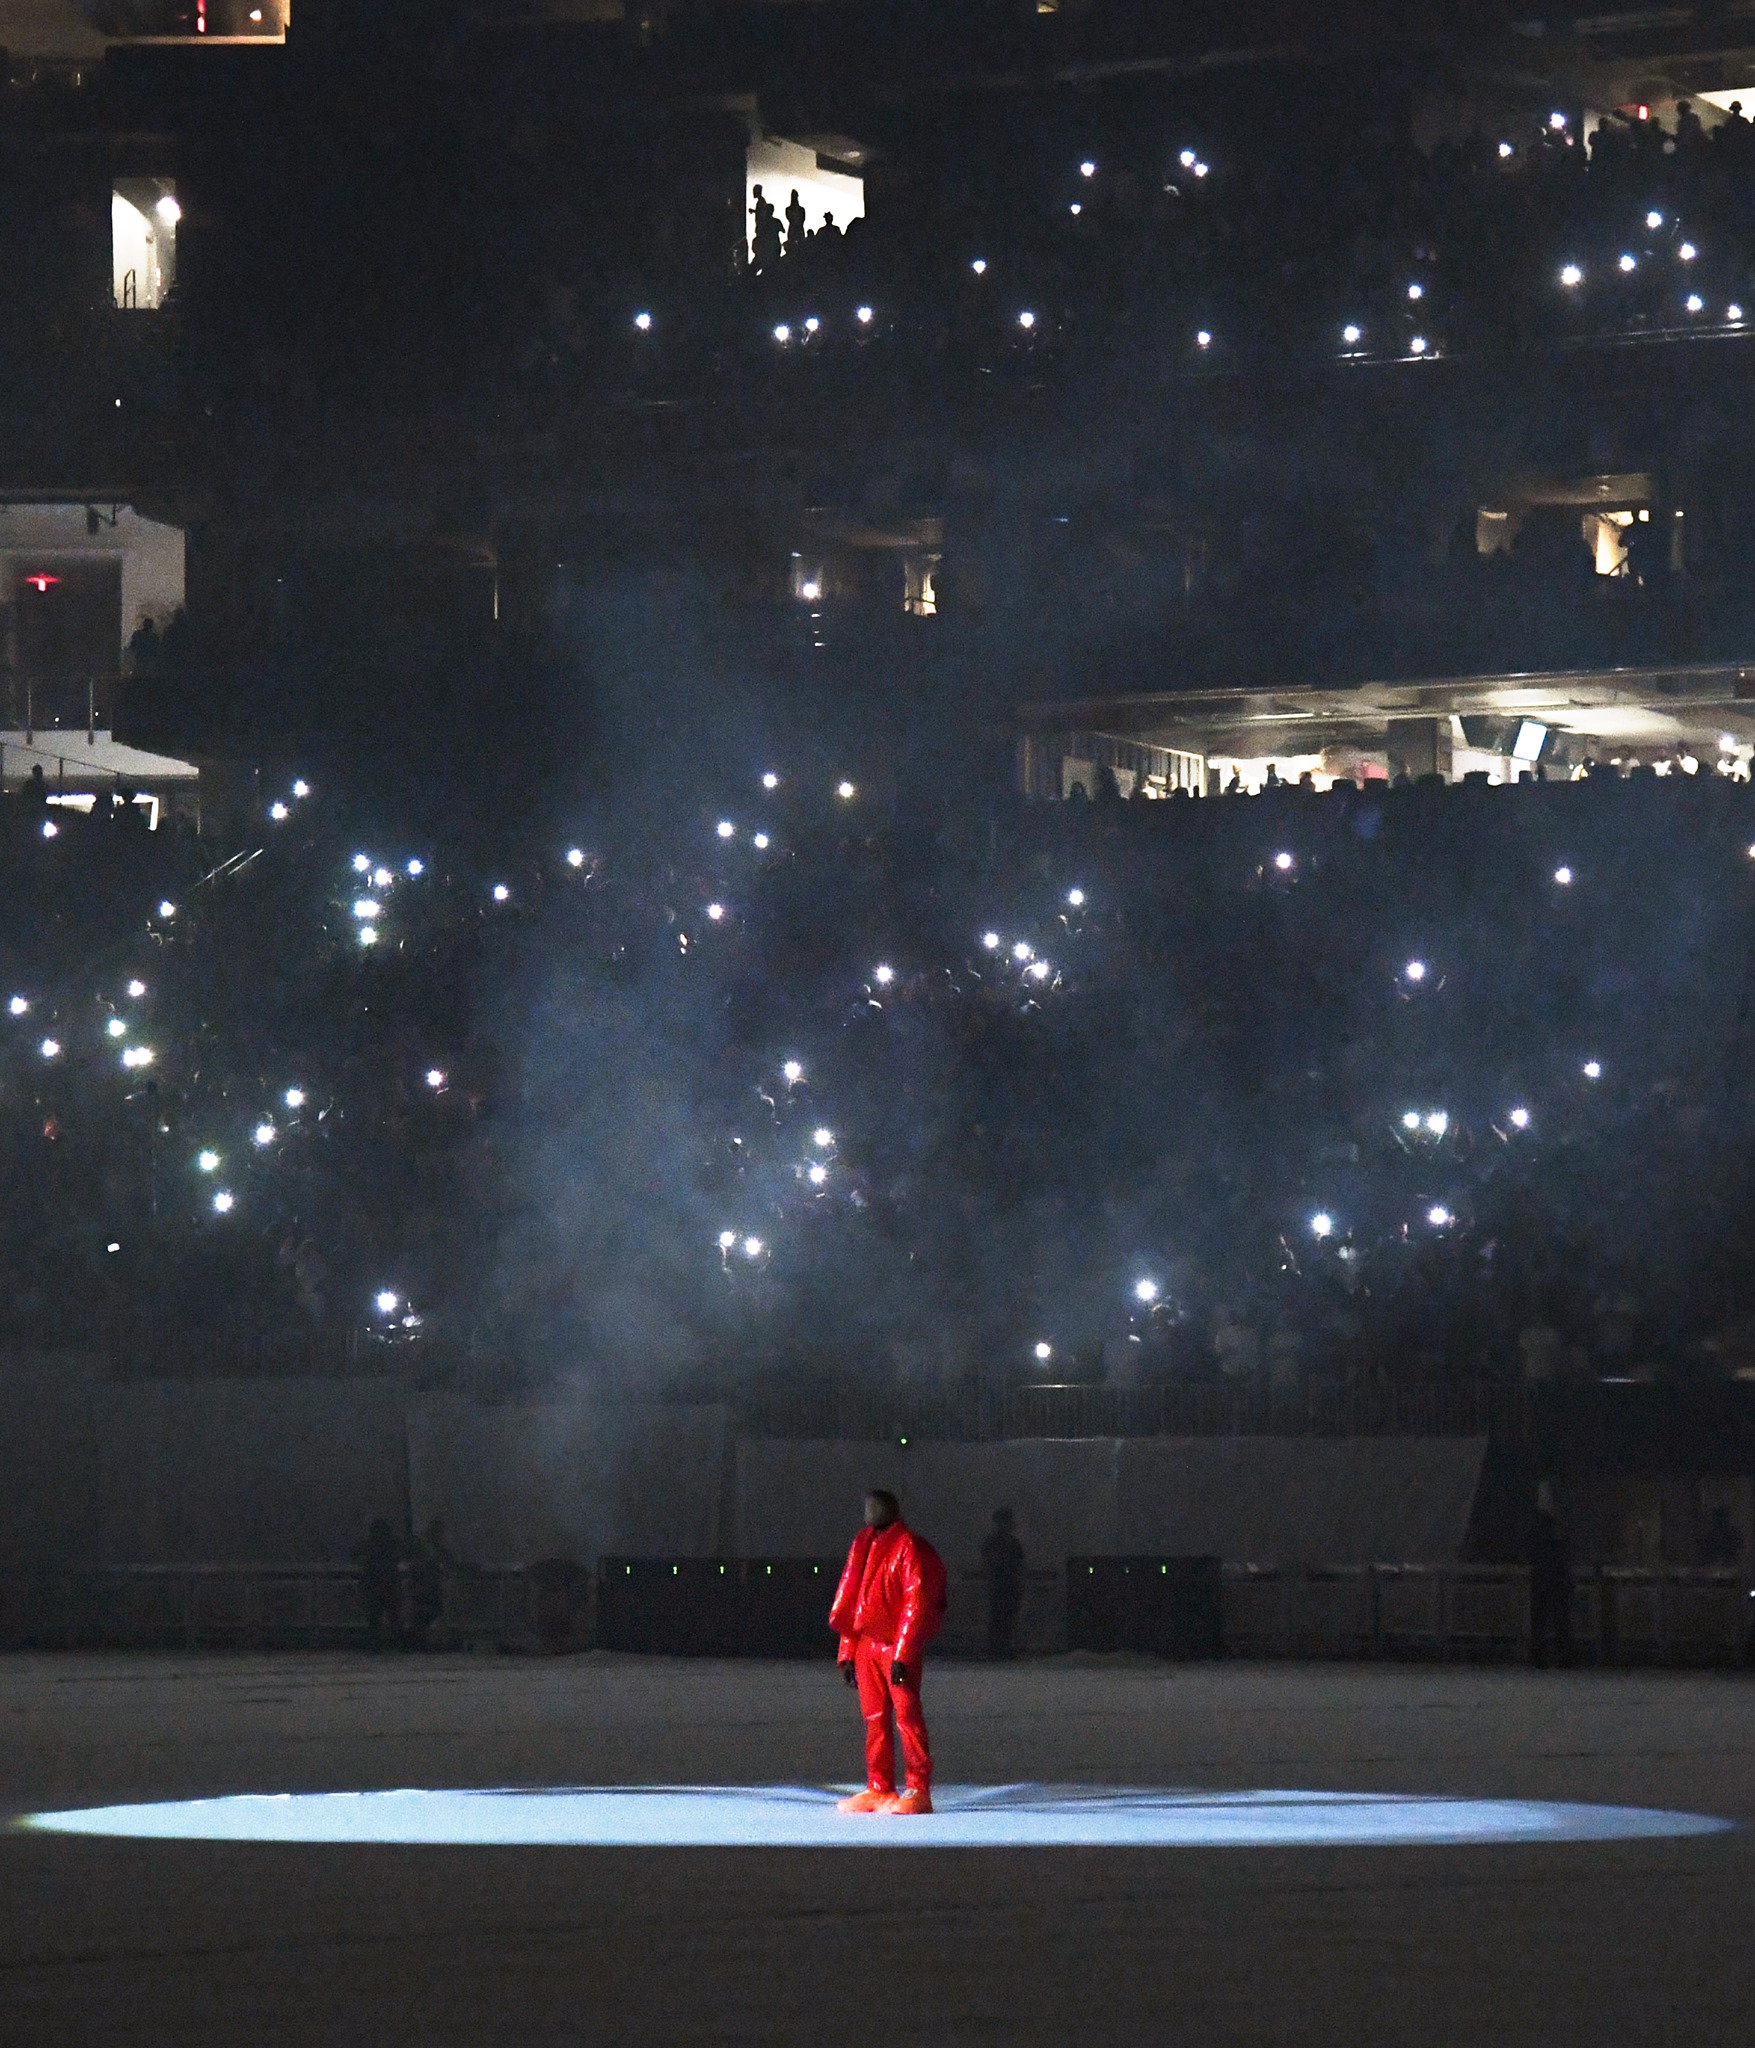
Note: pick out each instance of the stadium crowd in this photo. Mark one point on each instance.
(840, 1086)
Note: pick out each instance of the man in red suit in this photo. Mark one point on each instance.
(888, 1607)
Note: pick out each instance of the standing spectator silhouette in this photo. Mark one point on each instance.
(795, 224)
(380, 1564)
(765, 240)
(1002, 1559)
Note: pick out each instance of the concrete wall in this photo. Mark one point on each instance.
(1248, 1500)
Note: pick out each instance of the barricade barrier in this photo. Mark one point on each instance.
(778, 1607)
(251, 1607)
(716, 1607)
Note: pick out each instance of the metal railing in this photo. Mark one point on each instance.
(42, 704)
(248, 1607)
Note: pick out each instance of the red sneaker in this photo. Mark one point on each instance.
(908, 1802)
(866, 1802)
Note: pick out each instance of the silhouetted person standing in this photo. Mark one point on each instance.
(1550, 1592)
(380, 1564)
(795, 223)
(1002, 1558)
(765, 238)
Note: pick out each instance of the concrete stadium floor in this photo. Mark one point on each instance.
(216, 1945)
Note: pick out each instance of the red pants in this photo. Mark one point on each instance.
(878, 1698)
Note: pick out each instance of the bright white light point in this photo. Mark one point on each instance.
(1654, 219)
(501, 892)
(435, 1077)
(726, 829)
(770, 780)
(846, 791)
(50, 1048)
(1038, 970)
(17, 1006)
(979, 266)
(1556, 120)
(1687, 252)
(362, 863)
(727, 1238)
(783, 332)
(1416, 291)
(1504, 149)
(1520, 1119)
(1415, 970)
(417, 867)
(991, 940)
(1145, 1290)
(1593, 1070)
(137, 1056)
(367, 908)
(1087, 169)
(1283, 862)
(643, 321)
(817, 1175)
(388, 1303)
(368, 935)
(382, 878)
(793, 1071)
(136, 989)
(167, 909)
(1075, 208)
(1694, 302)
(1627, 262)
(1417, 346)
(1438, 1123)
(1438, 1216)
(753, 1247)
(575, 857)
(224, 1201)
(1571, 275)
(263, 1134)
(50, 829)
(1727, 743)
(1200, 170)
(1186, 159)
(1733, 313)
(883, 976)
(1021, 951)
(1410, 1120)
(761, 842)
(1322, 1225)
(294, 1098)
(822, 1136)
(1076, 897)
(1026, 320)
(715, 911)
(1203, 338)
(1564, 877)
(1350, 334)
(116, 1028)
(1044, 1352)
(279, 813)
(301, 789)
(812, 324)
(207, 1161)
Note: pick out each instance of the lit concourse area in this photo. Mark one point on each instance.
(405, 1933)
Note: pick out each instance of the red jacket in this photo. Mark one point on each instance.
(892, 1590)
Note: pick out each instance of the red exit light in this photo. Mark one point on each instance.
(42, 581)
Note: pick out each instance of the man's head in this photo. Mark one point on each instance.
(881, 1508)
